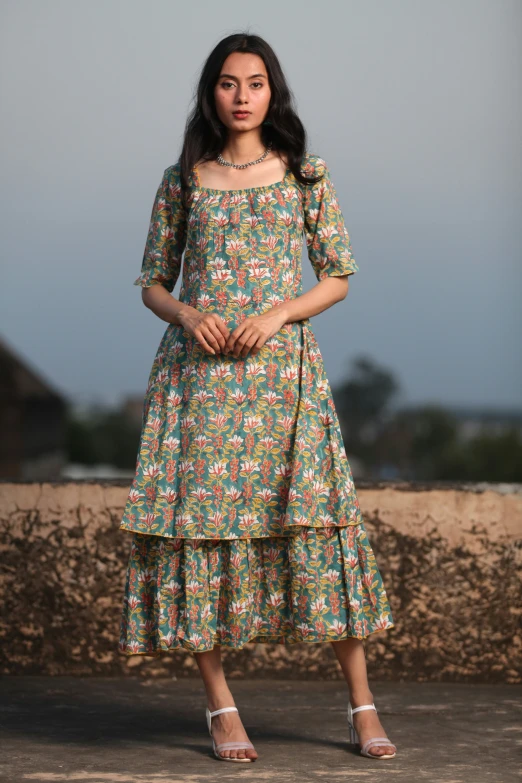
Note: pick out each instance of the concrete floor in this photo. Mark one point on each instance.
(94, 730)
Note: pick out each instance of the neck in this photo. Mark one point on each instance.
(243, 147)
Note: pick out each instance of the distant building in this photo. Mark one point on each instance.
(32, 422)
(472, 422)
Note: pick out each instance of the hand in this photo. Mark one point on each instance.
(208, 328)
(253, 333)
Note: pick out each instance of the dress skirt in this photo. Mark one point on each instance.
(322, 584)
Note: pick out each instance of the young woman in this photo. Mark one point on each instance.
(244, 517)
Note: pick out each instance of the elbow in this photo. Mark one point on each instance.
(343, 287)
(145, 296)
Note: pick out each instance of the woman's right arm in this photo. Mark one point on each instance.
(208, 328)
(161, 266)
(164, 305)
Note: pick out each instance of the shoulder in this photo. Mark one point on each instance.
(171, 180)
(172, 172)
(313, 165)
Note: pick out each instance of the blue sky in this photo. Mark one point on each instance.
(415, 106)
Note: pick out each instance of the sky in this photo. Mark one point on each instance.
(416, 108)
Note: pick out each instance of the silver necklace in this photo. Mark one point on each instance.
(220, 159)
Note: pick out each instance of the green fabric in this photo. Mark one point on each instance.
(242, 447)
(244, 517)
(322, 584)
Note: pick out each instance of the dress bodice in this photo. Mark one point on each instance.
(242, 248)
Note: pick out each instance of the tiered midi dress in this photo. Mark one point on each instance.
(244, 517)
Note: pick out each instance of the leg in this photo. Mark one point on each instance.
(351, 656)
(226, 727)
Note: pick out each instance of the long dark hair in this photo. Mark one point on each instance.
(205, 134)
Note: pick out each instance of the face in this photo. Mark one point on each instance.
(242, 86)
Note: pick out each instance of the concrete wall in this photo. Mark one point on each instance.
(450, 557)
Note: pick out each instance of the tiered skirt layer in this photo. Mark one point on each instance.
(319, 585)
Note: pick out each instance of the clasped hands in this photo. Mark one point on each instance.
(215, 337)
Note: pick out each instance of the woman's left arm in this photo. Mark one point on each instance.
(330, 253)
(329, 249)
(323, 295)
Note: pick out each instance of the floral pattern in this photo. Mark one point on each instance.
(244, 517)
(242, 447)
(322, 584)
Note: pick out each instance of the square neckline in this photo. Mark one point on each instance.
(199, 186)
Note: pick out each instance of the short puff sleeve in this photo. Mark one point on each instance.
(327, 239)
(166, 236)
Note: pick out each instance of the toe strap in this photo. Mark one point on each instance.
(233, 745)
(377, 741)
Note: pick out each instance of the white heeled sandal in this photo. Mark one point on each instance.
(354, 737)
(226, 745)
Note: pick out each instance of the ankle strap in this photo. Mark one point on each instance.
(223, 709)
(365, 707)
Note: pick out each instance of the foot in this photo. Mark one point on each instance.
(367, 724)
(228, 727)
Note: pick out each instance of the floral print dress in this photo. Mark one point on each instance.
(244, 517)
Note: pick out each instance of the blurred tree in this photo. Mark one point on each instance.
(103, 436)
(485, 457)
(363, 404)
(416, 440)
(79, 440)
(422, 443)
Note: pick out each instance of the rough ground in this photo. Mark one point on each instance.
(126, 730)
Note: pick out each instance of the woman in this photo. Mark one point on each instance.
(245, 522)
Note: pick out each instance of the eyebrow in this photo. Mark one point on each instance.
(230, 76)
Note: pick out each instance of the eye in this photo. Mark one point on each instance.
(223, 84)
(260, 83)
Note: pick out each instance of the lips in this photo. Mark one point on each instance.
(241, 114)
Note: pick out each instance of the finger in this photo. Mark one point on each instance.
(210, 337)
(243, 344)
(208, 348)
(202, 341)
(234, 337)
(219, 324)
(230, 342)
(225, 331)
(258, 345)
(214, 329)
(251, 341)
(238, 346)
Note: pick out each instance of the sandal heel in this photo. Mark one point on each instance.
(226, 745)
(354, 737)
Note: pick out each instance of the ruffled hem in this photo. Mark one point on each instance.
(182, 645)
(290, 532)
(320, 585)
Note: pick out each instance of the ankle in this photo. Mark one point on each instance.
(358, 698)
(218, 700)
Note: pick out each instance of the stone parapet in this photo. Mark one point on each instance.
(449, 554)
